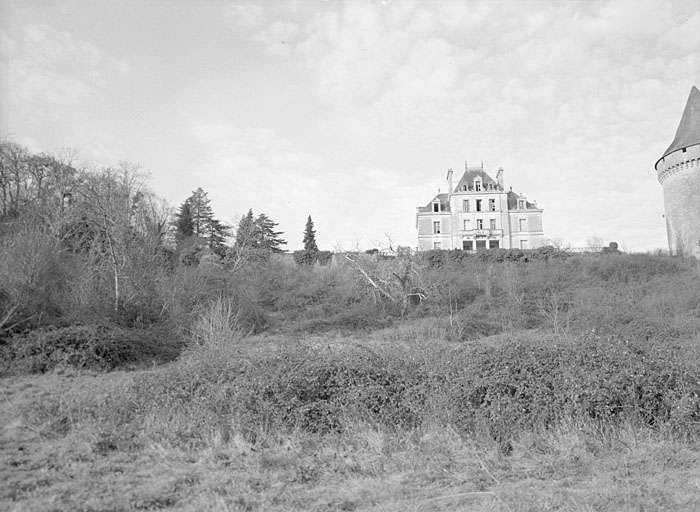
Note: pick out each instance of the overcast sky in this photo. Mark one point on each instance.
(353, 111)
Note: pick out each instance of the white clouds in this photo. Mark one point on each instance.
(257, 168)
(247, 15)
(562, 89)
(52, 81)
(52, 67)
(322, 107)
(684, 36)
(278, 37)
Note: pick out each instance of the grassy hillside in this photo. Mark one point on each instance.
(501, 381)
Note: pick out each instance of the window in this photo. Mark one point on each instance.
(465, 205)
(522, 224)
(467, 245)
(493, 244)
(436, 227)
(521, 204)
(464, 188)
(492, 223)
(492, 205)
(523, 244)
(436, 207)
(480, 244)
(477, 185)
(437, 245)
(478, 205)
(467, 225)
(479, 223)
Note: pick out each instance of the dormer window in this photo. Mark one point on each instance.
(436, 207)
(477, 185)
(521, 204)
(464, 188)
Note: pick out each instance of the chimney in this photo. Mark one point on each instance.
(499, 177)
(449, 181)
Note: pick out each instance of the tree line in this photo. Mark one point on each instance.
(89, 236)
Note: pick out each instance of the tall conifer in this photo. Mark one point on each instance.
(310, 236)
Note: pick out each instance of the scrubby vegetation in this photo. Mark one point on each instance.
(233, 379)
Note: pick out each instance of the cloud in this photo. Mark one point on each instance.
(565, 94)
(351, 110)
(257, 168)
(49, 79)
(279, 37)
(254, 167)
(246, 15)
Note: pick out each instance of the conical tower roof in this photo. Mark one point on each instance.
(688, 133)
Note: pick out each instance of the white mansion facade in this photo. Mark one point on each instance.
(478, 213)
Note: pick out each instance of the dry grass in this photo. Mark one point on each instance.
(89, 460)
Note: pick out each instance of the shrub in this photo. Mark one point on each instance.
(284, 391)
(33, 272)
(537, 384)
(324, 257)
(90, 347)
(225, 320)
(305, 257)
(635, 268)
(496, 389)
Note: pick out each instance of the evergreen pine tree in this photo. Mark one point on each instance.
(310, 236)
(246, 234)
(196, 219)
(268, 239)
(200, 212)
(183, 222)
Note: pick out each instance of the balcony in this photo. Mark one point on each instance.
(480, 232)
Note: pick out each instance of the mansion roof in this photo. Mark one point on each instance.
(444, 204)
(471, 174)
(467, 179)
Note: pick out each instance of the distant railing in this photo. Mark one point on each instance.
(583, 249)
(481, 232)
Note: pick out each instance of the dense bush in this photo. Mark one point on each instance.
(525, 385)
(291, 389)
(634, 267)
(305, 257)
(439, 258)
(496, 390)
(91, 347)
(33, 277)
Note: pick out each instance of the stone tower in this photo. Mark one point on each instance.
(678, 171)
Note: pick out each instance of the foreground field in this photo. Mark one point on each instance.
(144, 440)
(518, 382)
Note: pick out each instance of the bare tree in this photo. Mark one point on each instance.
(594, 243)
(394, 276)
(110, 205)
(558, 243)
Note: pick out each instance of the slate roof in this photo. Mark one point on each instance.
(444, 204)
(688, 132)
(513, 202)
(471, 174)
